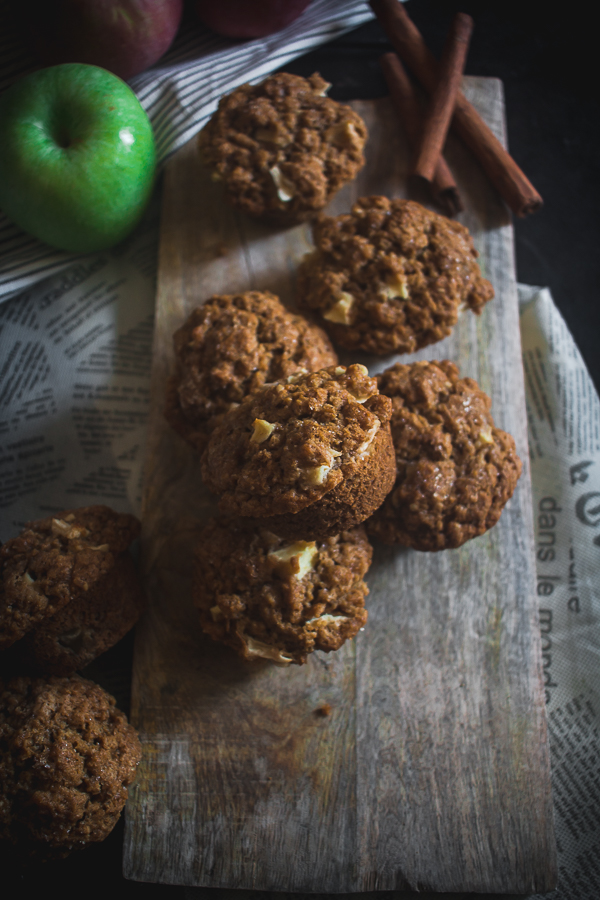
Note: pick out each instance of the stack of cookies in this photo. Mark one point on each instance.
(304, 454)
(299, 459)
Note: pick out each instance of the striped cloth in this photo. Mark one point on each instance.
(179, 94)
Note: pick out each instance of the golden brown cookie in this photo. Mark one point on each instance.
(67, 756)
(456, 470)
(282, 148)
(85, 627)
(271, 599)
(229, 347)
(391, 276)
(307, 458)
(55, 575)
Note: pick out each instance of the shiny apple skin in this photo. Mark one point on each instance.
(123, 36)
(77, 157)
(248, 18)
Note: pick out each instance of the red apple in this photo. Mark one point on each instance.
(123, 36)
(248, 18)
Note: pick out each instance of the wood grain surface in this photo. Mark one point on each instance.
(431, 771)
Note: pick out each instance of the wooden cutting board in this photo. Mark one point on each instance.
(431, 771)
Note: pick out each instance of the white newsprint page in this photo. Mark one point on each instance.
(75, 356)
(564, 445)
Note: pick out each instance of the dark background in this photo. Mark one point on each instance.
(547, 64)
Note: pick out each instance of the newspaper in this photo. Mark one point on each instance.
(75, 357)
(74, 395)
(564, 443)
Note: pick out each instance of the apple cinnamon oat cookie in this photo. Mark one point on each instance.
(68, 588)
(271, 599)
(229, 347)
(282, 148)
(391, 276)
(307, 458)
(67, 756)
(456, 470)
(85, 627)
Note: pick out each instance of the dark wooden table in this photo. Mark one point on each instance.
(545, 62)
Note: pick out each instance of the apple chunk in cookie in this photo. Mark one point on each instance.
(306, 458)
(456, 470)
(268, 598)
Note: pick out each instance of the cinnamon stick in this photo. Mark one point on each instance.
(512, 184)
(443, 98)
(404, 98)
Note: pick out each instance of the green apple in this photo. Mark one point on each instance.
(77, 157)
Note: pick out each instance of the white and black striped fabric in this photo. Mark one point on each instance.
(179, 94)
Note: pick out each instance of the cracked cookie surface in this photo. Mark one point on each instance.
(282, 148)
(391, 276)
(229, 347)
(289, 447)
(456, 470)
(268, 598)
(67, 757)
(56, 560)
